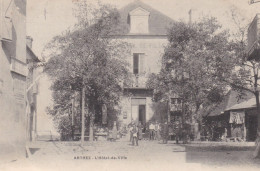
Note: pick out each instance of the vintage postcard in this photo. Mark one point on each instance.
(129, 85)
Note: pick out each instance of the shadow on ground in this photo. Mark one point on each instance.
(220, 155)
(33, 150)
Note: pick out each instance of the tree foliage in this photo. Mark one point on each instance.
(191, 63)
(87, 56)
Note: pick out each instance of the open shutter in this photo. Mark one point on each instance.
(7, 29)
(7, 8)
(141, 63)
(6, 20)
(135, 111)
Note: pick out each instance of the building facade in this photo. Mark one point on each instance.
(13, 72)
(31, 91)
(147, 34)
(233, 119)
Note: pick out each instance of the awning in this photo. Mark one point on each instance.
(251, 103)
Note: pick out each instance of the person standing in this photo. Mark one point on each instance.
(165, 132)
(151, 131)
(140, 131)
(135, 135)
(114, 132)
(130, 126)
(156, 130)
(159, 131)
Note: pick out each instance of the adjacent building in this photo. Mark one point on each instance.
(147, 33)
(31, 90)
(13, 72)
(235, 118)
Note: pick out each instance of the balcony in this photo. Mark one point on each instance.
(18, 67)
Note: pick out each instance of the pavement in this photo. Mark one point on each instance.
(222, 154)
(149, 155)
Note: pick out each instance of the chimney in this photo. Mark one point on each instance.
(29, 41)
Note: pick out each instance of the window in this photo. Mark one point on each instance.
(138, 63)
(139, 21)
(176, 101)
(5, 20)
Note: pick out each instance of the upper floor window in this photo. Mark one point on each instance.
(138, 63)
(139, 21)
(6, 20)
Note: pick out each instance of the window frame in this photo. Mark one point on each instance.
(137, 63)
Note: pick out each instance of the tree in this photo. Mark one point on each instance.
(245, 77)
(190, 63)
(86, 59)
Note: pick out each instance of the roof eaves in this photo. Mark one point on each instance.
(33, 54)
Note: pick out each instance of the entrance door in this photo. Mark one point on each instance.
(142, 114)
(252, 128)
(135, 111)
(138, 109)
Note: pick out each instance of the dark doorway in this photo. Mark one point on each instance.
(142, 112)
(31, 123)
(252, 128)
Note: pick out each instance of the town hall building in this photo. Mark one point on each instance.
(147, 34)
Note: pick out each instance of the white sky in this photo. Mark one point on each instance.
(59, 16)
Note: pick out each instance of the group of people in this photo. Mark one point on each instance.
(156, 131)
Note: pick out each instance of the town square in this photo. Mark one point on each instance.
(129, 85)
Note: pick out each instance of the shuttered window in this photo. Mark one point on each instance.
(141, 63)
(6, 20)
(138, 63)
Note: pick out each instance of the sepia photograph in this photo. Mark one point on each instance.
(123, 85)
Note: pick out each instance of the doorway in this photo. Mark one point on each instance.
(252, 128)
(142, 112)
(138, 106)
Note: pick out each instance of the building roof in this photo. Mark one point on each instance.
(230, 100)
(158, 22)
(251, 103)
(35, 58)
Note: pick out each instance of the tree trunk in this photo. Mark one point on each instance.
(184, 131)
(168, 112)
(91, 120)
(91, 132)
(72, 118)
(257, 150)
(197, 123)
(83, 116)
